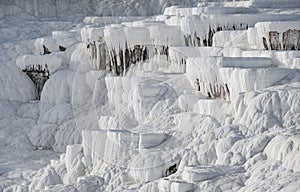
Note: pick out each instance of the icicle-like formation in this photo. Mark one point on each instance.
(198, 30)
(290, 40)
(205, 73)
(120, 61)
(99, 55)
(279, 35)
(132, 44)
(97, 48)
(39, 75)
(179, 55)
(193, 40)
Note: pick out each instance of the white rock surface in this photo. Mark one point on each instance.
(178, 186)
(179, 55)
(257, 79)
(25, 90)
(196, 174)
(149, 140)
(230, 38)
(187, 102)
(150, 129)
(90, 34)
(42, 136)
(151, 166)
(108, 145)
(71, 153)
(280, 58)
(47, 177)
(146, 94)
(212, 108)
(296, 63)
(53, 62)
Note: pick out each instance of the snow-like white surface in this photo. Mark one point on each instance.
(247, 62)
(59, 38)
(263, 29)
(179, 55)
(61, 79)
(146, 94)
(109, 20)
(276, 3)
(71, 153)
(107, 145)
(196, 174)
(211, 108)
(230, 38)
(150, 129)
(150, 166)
(266, 107)
(200, 24)
(118, 91)
(25, 91)
(177, 186)
(241, 74)
(117, 36)
(296, 63)
(149, 140)
(279, 58)
(90, 34)
(256, 79)
(137, 36)
(53, 62)
(166, 35)
(186, 102)
(210, 8)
